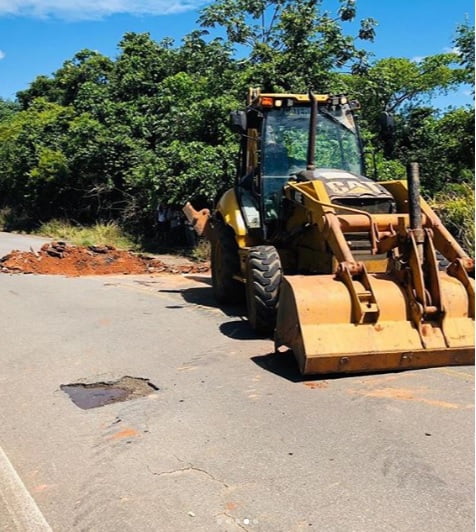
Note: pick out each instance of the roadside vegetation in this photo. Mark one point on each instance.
(103, 141)
(455, 206)
(99, 234)
(111, 234)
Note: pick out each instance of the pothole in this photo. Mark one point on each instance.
(96, 394)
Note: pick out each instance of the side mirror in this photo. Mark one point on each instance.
(387, 132)
(387, 125)
(238, 122)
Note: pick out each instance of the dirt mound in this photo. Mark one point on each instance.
(59, 258)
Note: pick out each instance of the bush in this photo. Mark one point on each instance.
(455, 206)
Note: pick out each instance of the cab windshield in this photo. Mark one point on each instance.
(285, 140)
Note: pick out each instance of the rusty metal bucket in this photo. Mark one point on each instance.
(315, 319)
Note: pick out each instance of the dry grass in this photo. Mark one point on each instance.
(100, 234)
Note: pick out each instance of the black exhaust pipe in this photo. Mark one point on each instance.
(311, 144)
(413, 179)
(414, 208)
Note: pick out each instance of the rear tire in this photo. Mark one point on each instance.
(225, 263)
(263, 279)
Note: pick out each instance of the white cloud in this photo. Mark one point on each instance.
(454, 50)
(94, 9)
(446, 50)
(2, 55)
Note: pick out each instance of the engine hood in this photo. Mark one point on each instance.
(342, 184)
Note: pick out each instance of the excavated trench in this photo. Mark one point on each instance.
(60, 258)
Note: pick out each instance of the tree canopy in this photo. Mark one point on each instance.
(291, 44)
(108, 139)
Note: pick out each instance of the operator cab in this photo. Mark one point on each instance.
(274, 148)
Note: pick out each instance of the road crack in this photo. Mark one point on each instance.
(186, 469)
(235, 521)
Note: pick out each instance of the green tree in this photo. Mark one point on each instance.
(33, 165)
(404, 88)
(292, 44)
(7, 109)
(141, 65)
(464, 42)
(86, 66)
(443, 145)
(104, 139)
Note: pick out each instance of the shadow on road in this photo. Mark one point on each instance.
(200, 278)
(281, 364)
(240, 330)
(203, 296)
(285, 365)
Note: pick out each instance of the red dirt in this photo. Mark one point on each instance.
(59, 258)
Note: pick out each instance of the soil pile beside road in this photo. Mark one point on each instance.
(59, 258)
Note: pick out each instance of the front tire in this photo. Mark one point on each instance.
(225, 264)
(263, 279)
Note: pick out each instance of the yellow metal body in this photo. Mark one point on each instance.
(229, 210)
(315, 321)
(255, 97)
(388, 307)
(369, 316)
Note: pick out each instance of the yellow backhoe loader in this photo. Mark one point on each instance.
(346, 271)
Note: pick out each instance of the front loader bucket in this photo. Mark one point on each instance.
(315, 321)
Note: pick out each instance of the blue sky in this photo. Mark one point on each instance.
(37, 36)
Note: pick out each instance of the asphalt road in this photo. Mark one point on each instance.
(233, 439)
(12, 241)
